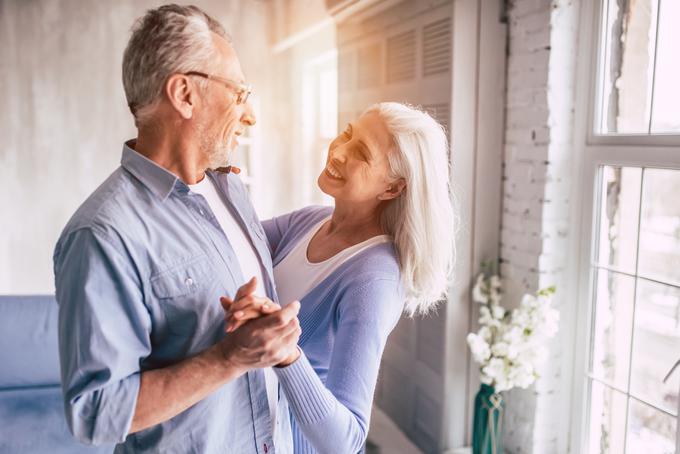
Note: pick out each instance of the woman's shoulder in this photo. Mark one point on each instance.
(310, 215)
(374, 270)
(294, 225)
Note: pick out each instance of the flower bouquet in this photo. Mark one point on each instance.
(509, 346)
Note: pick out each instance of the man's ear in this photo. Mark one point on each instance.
(394, 190)
(182, 94)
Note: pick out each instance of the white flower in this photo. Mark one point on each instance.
(510, 346)
(479, 347)
(485, 333)
(495, 282)
(479, 291)
(500, 349)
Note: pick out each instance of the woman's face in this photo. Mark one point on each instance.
(357, 169)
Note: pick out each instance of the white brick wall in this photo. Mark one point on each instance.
(539, 106)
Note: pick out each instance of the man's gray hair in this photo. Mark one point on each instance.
(167, 40)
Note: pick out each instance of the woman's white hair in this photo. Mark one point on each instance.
(421, 220)
(167, 40)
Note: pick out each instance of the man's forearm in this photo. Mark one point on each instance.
(166, 392)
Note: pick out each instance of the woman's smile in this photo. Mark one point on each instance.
(332, 172)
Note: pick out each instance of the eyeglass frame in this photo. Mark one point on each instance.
(240, 88)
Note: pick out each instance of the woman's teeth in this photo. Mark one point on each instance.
(332, 172)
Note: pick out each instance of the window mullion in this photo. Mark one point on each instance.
(656, 48)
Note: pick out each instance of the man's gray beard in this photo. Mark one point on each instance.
(216, 150)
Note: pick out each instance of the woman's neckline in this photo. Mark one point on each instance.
(317, 228)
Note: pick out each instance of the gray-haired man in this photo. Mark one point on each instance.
(141, 265)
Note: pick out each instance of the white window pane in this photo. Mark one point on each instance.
(649, 430)
(619, 213)
(656, 344)
(607, 420)
(666, 104)
(328, 103)
(628, 67)
(660, 226)
(612, 329)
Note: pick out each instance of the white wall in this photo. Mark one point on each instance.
(535, 236)
(65, 118)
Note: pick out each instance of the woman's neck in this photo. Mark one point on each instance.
(355, 221)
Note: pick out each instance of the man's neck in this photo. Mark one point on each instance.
(168, 150)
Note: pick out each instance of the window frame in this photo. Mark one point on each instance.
(592, 151)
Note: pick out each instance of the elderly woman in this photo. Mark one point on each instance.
(385, 248)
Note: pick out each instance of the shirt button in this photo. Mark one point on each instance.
(189, 282)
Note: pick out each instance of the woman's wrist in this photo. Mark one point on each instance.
(291, 359)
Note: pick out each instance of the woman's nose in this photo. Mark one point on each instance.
(339, 154)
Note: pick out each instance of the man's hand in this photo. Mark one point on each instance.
(249, 309)
(267, 341)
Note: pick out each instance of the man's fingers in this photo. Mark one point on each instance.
(246, 289)
(280, 319)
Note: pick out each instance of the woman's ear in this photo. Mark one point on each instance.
(182, 95)
(394, 190)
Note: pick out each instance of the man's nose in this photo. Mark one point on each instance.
(248, 116)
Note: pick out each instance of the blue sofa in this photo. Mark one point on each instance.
(31, 406)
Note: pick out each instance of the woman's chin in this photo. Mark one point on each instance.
(327, 186)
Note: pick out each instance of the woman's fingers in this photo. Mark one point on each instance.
(226, 303)
(236, 319)
(246, 289)
(265, 305)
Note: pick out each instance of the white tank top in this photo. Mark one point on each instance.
(296, 276)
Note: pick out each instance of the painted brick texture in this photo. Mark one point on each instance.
(534, 232)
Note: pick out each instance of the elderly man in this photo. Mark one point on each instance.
(141, 265)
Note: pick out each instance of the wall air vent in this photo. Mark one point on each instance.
(437, 47)
(401, 57)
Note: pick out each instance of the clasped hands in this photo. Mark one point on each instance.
(261, 332)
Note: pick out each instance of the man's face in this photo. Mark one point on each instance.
(222, 119)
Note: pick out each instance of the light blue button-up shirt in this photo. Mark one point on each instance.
(139, 270)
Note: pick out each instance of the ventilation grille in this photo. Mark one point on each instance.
(441, 113)
(437, 47)
(368, 71)
(401, 57)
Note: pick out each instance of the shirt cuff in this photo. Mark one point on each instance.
(307, 396)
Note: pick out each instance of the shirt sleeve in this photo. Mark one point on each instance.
(104, 332)
(334, 418)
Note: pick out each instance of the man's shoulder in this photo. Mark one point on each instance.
(106, 206)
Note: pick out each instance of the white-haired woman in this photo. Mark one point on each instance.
(385, 248)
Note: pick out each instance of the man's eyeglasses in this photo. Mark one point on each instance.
(242, 90)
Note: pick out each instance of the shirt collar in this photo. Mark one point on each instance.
(157, 179)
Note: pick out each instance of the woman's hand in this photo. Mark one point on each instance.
(245, 306)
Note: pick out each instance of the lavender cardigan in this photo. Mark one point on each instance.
(345, 322)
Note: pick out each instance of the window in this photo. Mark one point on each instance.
(638, 92)
(635, 333)
(627, 310)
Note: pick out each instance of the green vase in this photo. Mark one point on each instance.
(487, 429)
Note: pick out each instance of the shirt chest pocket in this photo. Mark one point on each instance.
(188, 294)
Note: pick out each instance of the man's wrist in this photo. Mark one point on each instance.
(222, 359)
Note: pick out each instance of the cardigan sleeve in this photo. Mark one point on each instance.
(275, 228)
(334, 418)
